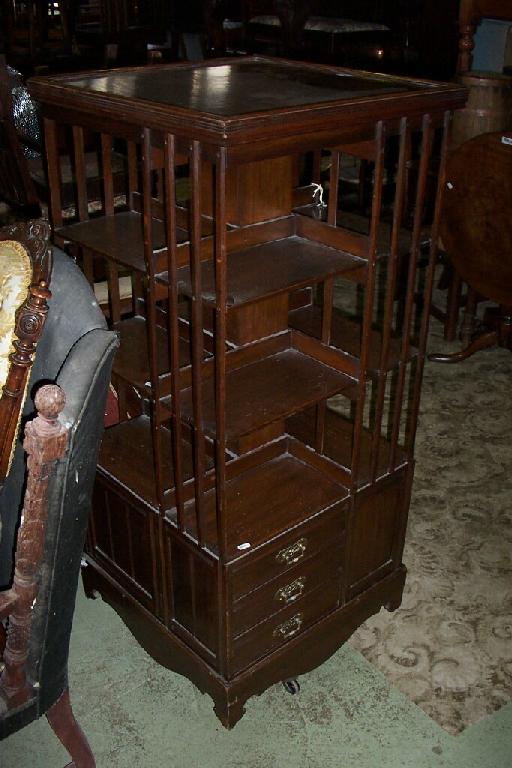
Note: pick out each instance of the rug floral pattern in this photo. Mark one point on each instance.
(449, 646)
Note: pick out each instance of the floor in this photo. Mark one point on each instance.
(136, 713)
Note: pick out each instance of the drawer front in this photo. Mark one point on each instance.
(284, 626)
(286, 590)
(325, 530)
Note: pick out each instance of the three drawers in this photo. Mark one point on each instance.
(285, 590)
(286, 587)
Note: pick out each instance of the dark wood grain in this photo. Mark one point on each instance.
(339, 434)
(118, 237)
(126, 456)
(268, 390)
(267, 500)
(476, 207)
(346, 334)
(273, 596)
(269, 479)
(253, 98)
(132, 360)
(271, 268)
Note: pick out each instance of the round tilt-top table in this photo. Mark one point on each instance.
(477, 230)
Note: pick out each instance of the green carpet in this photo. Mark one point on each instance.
(136, 713)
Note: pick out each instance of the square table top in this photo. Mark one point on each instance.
(224, 97)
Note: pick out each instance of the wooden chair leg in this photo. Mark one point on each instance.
(69, 733)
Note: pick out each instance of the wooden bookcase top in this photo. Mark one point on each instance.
(232, 101)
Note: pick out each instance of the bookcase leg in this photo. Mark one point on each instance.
(229, 712)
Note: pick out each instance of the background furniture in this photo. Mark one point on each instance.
(477, 233)
(489, 106)
(23, 178)
(122, 27)
(471, 13)
(244, 524)
(314, 31)
(76, 351)
(488, 109)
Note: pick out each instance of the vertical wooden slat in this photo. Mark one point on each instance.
(387, 322)
(197, 339)
(80, 172)
(151, 299)
(380, 142)
(138, 294)
(133, 186)
(151, 324)
(54, 174)
(427, 296)
(334, 180)
(220, 401)
(87, 262)
(114, 298)
(328, 296)
(173, 324)
(108, 181)
(133, 176)
(426, 148)
(220, 347)
(328, 299)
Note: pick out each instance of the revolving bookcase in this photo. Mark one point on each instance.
(251, 502)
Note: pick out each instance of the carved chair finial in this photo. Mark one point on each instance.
(49, 401)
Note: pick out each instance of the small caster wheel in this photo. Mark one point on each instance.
(291, 686)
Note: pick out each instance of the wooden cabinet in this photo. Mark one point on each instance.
(251, 503)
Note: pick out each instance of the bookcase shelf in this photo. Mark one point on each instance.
(346, 334)
(270, 268)
(268, 390)
(257, 517)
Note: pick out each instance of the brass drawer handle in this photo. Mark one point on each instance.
(291, 592)
(290, 627)
(293, 553)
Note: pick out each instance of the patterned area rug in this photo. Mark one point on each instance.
(449, 646)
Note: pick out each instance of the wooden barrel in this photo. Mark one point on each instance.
(489, 106)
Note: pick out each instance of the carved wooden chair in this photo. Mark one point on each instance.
(37, 605)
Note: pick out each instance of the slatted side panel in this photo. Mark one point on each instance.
(380, 143)
(387, 323)
(220, 401)
(197, 352)
(400, 397)
(412, 419)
